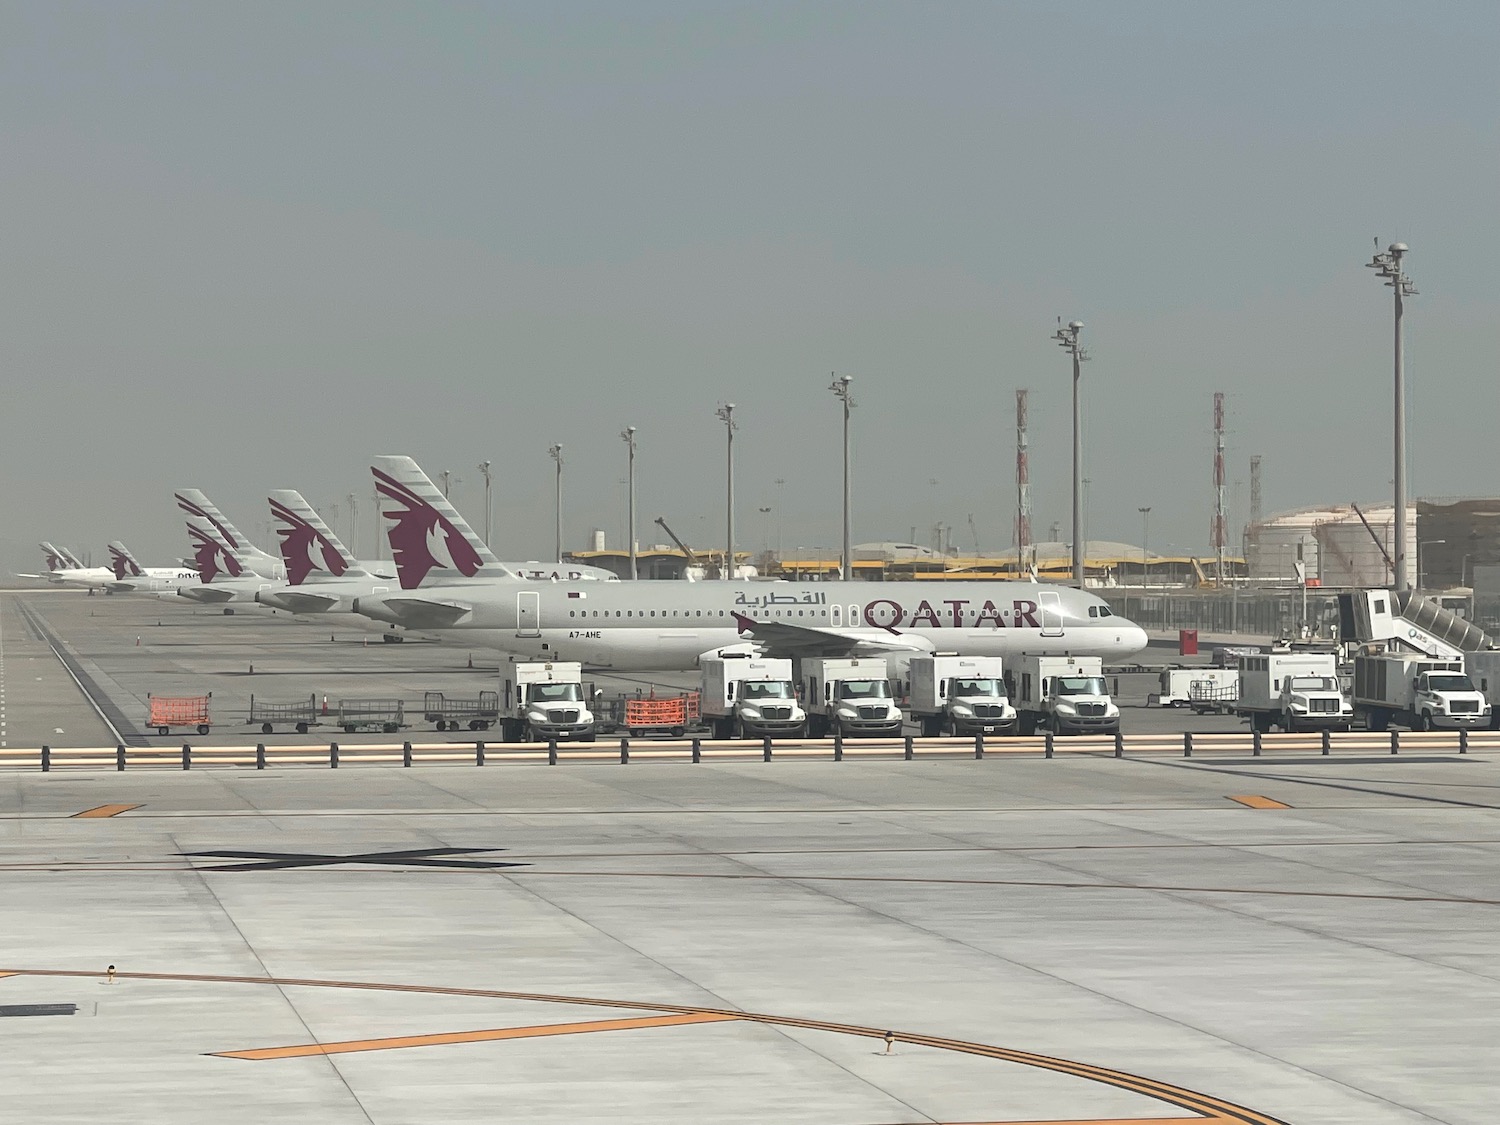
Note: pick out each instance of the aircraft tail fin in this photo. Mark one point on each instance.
(71, 559)
(54, 557)
(123, 563)
(427, 535)
(212, 557)
(308, 546)
(202, 512)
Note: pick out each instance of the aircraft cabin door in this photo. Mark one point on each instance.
(529, 614)
(1052, 619)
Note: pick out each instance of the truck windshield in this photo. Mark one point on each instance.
(967, 687)
(1081, 685)
(766, 689)
(1451, 681)
(864, 689)
(554, 693)
(1312, 683)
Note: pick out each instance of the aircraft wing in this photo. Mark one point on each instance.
(427, 613)
(783, 639)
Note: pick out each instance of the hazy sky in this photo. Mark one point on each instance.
(246, 247)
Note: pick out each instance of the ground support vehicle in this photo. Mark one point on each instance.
(1199, 688)
(543, 702)
(299, 715)
(849, 697)
(1063, 694)
(746, 696)
(452, 714)
(959, 695)
(168, 711)
(670, 717)
(1292, 690)
(388, 715)
(1483, 669)
(1418, 692)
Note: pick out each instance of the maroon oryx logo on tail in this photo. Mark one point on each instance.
(194, 510)
(122, 564)
(207, 553)
(299, 541)
(421, 538)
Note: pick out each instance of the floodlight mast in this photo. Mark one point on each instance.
(556, 453)
(628, 436)
(725, 414)
(840, 389)
(1067, 339)
(1387, 266)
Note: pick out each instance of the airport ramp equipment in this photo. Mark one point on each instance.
(478, 713)
(662, 716)
(388, 715)
(1409, 620)
(1209, 697)
(168, 711)
(299, 715)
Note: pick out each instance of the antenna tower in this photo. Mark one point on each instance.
(1252, 533)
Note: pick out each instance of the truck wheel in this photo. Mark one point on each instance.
(1377, 720)
(301, 728)
(1426, 723)
(1289, 723)
(739, 729)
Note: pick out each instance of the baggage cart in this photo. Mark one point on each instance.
(1209, 698)
(386, 715)
(662, 716)
(299, 716)
(451, 714)
(168, 711)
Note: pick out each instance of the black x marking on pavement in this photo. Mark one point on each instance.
(415, 857)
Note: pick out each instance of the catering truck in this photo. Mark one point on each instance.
(959, 695)
(543, 702)
(848, 696)
(1063, 694)
(1293, 691)
(1483, 669)
(750, 697)
(1420, 692)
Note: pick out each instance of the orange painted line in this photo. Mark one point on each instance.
(352, 1045)
(1254, 802)
(1109, 1121)
(103, 810)
(9, 974)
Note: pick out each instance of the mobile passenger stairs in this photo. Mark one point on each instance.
(1409, 621)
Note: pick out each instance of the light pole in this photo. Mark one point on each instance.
(1145, 539)
(489, 510)
(628, 434)
(765, 528)
(353, 524)
(446, 476)
(725, 414)
(1388, 266)
(1067, 339)
(555, 452)
(840, 389)
(780, 513)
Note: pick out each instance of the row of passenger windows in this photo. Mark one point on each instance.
(644, 613)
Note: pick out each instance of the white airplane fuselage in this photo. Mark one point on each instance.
(662, 626)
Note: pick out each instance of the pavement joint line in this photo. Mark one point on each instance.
(1210, 1109)
(1252, 801)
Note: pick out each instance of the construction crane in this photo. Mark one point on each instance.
(681, 546)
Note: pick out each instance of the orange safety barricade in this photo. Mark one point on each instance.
(642, 714)
(179, 711)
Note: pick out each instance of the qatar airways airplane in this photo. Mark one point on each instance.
(666, 626)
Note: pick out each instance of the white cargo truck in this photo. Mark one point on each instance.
(543, 702)
(1202, 689)
(1062, 694)
(848, 696)
(745, 696)
(1483, 669)
(1416, 691)
(1293, 691)
(959, 695)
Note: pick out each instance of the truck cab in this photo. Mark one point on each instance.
(745, 696)
(1064, 694)
(959, 695)
(1448, 700)
(544, 702)
(849, 697)
(1420, 692)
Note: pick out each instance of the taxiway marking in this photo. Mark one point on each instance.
(1250, 800)
(103, 811)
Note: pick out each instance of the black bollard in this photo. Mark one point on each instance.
(838, 745)
(979, 744)
(46, 758)
(697, 750)
(333, 755)
(552, 751)
(120, 758)
(624, 751)
(260, 755)
(406, 753)
(1463, 740)
(1327, 743)
(1255, 743)
(1187, 744)
(1049, 744)
(765, 748)
(479, 753)
(1119, 744)
(908, 748)
(1395, 741)
(187, 756)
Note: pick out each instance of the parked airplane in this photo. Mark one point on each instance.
(64, 569)
(663, 626)
(230, 567)
(131, 577)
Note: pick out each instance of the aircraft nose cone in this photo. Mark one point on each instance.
(1135, 639)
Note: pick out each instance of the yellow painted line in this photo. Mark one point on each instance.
(1254, 802)
(103, 810)
(9, 974)
(352, 1045)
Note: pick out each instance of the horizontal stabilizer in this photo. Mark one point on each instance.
(427, 613)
